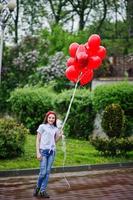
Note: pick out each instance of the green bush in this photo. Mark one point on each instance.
(121, 93)
(81, 117)
(113, 120)
(118, 93)
(113, 146)
(3, 96)
(29, 105)
(128, 126)
(12, 138)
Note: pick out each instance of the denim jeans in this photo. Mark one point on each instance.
(45, 168)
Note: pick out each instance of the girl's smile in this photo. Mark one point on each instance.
(51, 119)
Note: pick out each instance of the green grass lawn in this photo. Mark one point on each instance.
(79, 152)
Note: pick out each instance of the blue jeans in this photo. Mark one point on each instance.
(45, 168)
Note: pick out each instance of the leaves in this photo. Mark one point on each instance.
(12, 138)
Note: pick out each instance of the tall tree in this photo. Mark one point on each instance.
(82, 9)
(16, 20)
(60, 10)
(33, 14)
(129, 12)
(28, 17)
(103, 15)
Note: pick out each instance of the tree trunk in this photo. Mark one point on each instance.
(16, 22)
(103, 17)
(81, 21)
(130, 17)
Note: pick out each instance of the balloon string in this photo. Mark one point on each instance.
(64, 159)
(66, 117)
(68, 111)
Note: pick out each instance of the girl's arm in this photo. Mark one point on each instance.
(38, 138)
(59, 136)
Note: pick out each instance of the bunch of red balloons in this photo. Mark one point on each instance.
(84, 59)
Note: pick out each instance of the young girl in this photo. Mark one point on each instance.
(47, 135)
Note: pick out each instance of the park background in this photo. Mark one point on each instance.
(37, 35)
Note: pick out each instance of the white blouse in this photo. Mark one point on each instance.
(48, 133)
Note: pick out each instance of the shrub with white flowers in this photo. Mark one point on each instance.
(55, 68)
(54, 72)
(27, 61)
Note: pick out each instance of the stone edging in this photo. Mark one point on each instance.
(23, 172)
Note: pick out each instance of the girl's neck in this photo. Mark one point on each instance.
(50, 124)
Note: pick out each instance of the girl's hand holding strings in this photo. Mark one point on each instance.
(59, 136)
(62, 134)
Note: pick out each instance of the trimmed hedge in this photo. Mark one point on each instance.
(113, 120)
(12, 138)
(81, 117)
(120, 93)
(29, 105)
(113, 146)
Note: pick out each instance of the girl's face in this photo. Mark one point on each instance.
(51, 119)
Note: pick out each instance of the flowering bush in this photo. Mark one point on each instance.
(24, 65)
(32, 43)
(27, 61)
(54, 69)
(17, 67)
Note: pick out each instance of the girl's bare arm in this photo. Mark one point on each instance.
(38, 138)
(59, 136)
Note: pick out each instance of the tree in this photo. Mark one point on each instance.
(105, 10)
(16, 20)
(60, 13)
(29, 16)
(82, 9)
(103, 14)
(58, 9)
(92, 10)
(33, 15)
(129, 12)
